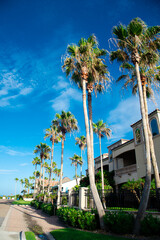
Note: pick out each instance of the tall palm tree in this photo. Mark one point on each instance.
(66, 123)
(81, 142)
(84, 62)
(53, 135)
(21, 184)
(16, 179)
(101, 130)
(43, 149)
(36, 161)
(26, 181)
(132, 41)
(76, 159)
(45, 165)
(57, 172)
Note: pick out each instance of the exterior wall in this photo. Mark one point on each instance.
(68, 185)
(98, 164)
(156, 140)
(123, 148)
(125, 177)
(140, 158)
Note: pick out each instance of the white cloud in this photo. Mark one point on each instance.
(3, 92)
(61, 84)
(6, 171)
(126, 113)
(23, 164)
(26, 91)
(12, 88)
(67, 94)
(11, 152)
(63, 101)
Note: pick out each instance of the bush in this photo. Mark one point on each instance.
(150, 225)
(19, 197)
(78, 218)
(46, 207)
(119, 222)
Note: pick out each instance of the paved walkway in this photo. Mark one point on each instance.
(25, 218)
(4, 213)
(14, 219)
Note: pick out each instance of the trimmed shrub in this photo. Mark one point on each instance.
(119, 222)
(150, 225)
(46, 207)
(78, 218)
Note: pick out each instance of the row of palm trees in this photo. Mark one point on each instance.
(27, 183)
(137, 50)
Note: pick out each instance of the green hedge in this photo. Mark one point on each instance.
(150, 225)
(46, 207)
(119, 222)
(78, 218)
(122, 223)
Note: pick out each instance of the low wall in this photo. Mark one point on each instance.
(27, 199)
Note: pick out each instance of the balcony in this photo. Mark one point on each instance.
(126, 170)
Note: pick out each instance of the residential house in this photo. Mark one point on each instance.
(127, 157)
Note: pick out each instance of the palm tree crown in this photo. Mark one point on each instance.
(65, 122)
(43, 149)
(81, 141)
(101, 129)
(86, 55)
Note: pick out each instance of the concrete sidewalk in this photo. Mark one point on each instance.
(9, 235)
(4, 215)
(25, 218)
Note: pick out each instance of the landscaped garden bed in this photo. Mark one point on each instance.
(48, 208)
(118, 222)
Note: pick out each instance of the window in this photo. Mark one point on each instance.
(138, 135)
(110, 155)
(154, 127)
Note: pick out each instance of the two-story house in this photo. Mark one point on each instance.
(127, 157)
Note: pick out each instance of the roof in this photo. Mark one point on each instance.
(123, 144)
(149, 115)
(118, 142)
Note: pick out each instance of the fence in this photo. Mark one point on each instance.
(123, 199)
(83, 198)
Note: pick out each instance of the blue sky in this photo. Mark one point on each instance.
(33, 40)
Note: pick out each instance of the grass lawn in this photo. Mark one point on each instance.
(30, 236)
(21, 202)
(72, 234)
(128, 209)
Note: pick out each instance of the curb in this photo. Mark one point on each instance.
(22, 235)
(6, 219)
(49, 235)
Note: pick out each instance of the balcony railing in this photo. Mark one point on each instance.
(126, 170)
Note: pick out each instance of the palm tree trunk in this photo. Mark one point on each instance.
(81, 164)
(51, 166)
(102, 175)
(153, 156)
(43, 175)
(76, 174)
(96, 198)
(146, 190)
(35, 181)
(91, 128)
(60, 182)
(15, 190)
